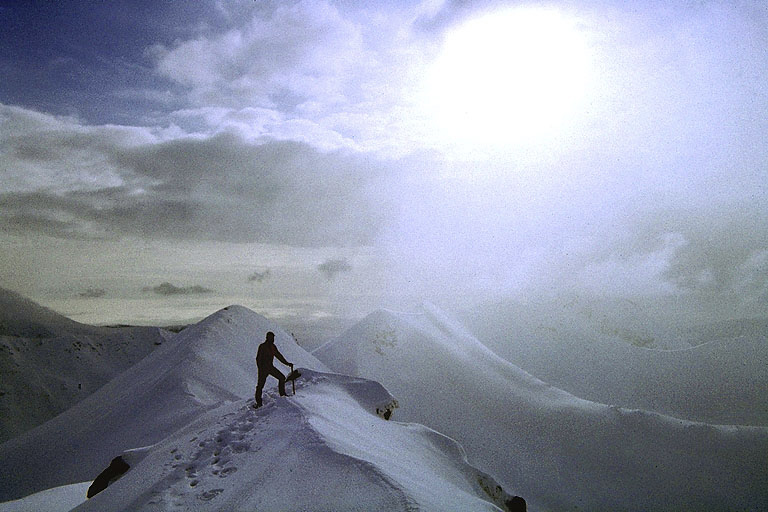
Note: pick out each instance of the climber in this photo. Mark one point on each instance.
(264, 356)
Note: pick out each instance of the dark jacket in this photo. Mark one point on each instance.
(266, 354)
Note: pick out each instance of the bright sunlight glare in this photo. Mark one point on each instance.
(507, 77)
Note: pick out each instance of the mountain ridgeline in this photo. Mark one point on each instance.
(49, 363)
(479, 430)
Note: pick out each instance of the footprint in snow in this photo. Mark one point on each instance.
(224, 473)
(209, 495)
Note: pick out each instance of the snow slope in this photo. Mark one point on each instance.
(719, 377)
(322, 449)
(24, 318)
(58, 499)
(197, 370)
(556, 450)
(49, 362)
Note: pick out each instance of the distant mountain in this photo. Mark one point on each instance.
(322, 449)
(716, 375)
(23, 318)
(200, 368)
(49, 363)
(558, 451)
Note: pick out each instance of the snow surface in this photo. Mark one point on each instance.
(58, 499)
(197, 370)
(49, 362)
(554, 449)
(322, 449)
(204, 448)
(722, 378)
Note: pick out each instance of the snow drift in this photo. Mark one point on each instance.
(556, 450)
(202, 367)
(322, 449)
(49, 362)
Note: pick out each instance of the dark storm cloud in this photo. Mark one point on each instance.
(276, 192)
(108, 213)
(69, 181)
(170, 289)
(25, 223)
(331, 268)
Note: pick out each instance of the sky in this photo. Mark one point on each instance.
(319, 159)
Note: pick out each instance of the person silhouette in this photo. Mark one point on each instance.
(264, 364)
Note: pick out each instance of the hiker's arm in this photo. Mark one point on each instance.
(280, 357)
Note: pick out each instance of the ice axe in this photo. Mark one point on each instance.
(293, 380)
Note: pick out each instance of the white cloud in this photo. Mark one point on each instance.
(306, 50)
(632, 273)
(254, 123)
(320, 74)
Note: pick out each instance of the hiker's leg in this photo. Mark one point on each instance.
(260, 386)
(280, 380)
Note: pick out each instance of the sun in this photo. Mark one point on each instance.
(506, 77)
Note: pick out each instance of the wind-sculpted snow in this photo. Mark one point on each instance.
(49, 363)
(556, 450)
(202, 367)
(322, 449)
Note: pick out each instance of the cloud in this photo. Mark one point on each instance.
(220, 187)
(259, 277)
(725, 250)
(92, 293)
(26, 222)
(326, 74)
(638, 272)
(273, 55)
(45, 152)
(169, 289)
(270, 191)
(448, 13)
(716, 254)
(332, 267)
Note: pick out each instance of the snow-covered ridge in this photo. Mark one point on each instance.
(322, 449)
(556, 450)
(200, 368)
